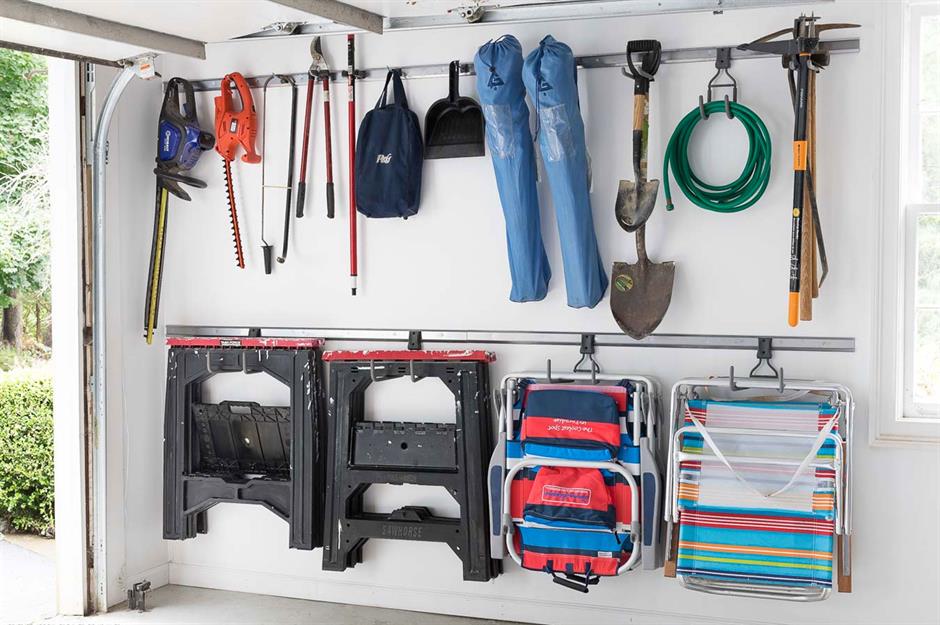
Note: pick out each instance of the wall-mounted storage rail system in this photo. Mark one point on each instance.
(592, 61)
(528, 337)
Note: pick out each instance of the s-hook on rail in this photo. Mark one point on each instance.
(415, 338)
(593, 61)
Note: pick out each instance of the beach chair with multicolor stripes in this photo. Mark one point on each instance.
(759, 492)
(575, 465)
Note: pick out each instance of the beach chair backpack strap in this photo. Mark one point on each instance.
(573, 580)
(817, 444)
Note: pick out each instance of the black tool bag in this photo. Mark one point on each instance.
(389, 156)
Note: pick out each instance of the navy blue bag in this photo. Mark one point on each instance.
(389, 156)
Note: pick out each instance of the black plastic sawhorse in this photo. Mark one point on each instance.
(242, 452)
(454, 456)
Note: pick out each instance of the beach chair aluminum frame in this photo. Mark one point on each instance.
(500, 480)
(842, 399)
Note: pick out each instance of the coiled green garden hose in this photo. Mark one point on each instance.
(724, 198)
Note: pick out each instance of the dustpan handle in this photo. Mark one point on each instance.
(453, 74)
(817, 444)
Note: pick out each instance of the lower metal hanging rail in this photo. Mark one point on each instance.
(528, 337)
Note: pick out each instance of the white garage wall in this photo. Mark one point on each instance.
(446, 268)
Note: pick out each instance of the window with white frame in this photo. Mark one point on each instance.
(905, 390)
(920, 199)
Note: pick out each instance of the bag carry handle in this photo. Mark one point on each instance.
(817, 444)
(398, 91)
(573, 580)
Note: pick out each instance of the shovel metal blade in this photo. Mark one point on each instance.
(635, 202)
(641, 295)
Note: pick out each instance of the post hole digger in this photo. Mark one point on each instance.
(643, 290)
(234, 128)
(180, 143)
(802, 55)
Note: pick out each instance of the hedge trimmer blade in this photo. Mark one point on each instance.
(152, 302)
(233, 214)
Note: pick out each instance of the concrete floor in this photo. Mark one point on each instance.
(27, 579)
(181, 605)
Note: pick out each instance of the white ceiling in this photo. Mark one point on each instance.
(54, 39)
(201, 20)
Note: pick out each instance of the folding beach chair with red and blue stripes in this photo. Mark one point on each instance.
(570, 469)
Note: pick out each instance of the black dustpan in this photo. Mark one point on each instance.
(453, 126)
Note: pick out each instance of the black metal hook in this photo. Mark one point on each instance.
(764, 356)
(588, 342)
(642, 75)
(704, 115)
(722, 64)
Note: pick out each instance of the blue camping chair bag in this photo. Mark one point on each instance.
(389, 156)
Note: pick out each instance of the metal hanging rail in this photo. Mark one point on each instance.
(527, 337)
(595, 61)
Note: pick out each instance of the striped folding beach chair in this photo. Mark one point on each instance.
(757, 491)
(569, 466)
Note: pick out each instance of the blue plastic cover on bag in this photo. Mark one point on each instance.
(550, 77)
(389, 157)
(498, 67)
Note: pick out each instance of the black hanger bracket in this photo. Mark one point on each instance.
(588, 347)
(764, 357)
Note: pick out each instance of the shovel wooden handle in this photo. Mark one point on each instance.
(808, 287)
(641, 111)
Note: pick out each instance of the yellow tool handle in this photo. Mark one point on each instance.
(155, 268)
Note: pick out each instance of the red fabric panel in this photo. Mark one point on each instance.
(570, 429)
(570, 488)
(599, 566)
(622, 499)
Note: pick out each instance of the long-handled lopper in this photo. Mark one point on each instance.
(323, 73)
(305, 146)
(319, 71)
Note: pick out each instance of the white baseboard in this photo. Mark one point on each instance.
(157, 576)
(420, 600)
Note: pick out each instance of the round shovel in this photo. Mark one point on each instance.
(641, 291)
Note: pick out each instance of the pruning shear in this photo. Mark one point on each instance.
(319, 70)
